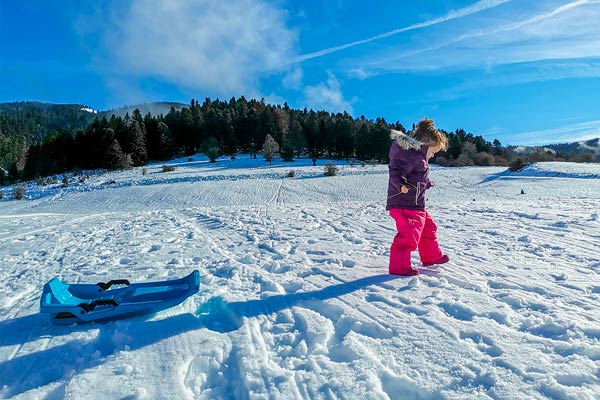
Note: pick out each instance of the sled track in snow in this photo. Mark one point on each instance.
(53, 227)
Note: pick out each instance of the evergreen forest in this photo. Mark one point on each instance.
(38, 139)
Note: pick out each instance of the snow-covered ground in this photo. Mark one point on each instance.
(295, 300)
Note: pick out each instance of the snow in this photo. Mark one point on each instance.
(90, 110)
(295, 300)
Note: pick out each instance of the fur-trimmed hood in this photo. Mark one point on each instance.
(404, 141)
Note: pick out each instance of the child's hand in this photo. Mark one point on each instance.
(403, 189)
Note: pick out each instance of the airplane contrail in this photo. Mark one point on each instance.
(507, 28)
(481, 5)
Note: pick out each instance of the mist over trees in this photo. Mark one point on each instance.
(39, 140)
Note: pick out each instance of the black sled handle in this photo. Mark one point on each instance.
(87, 307)
(107, 285)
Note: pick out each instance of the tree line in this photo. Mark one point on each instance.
(215, 128)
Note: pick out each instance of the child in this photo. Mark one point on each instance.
(409, 179)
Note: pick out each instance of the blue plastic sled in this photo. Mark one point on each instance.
(88, 302)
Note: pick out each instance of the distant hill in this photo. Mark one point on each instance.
(576, 148)
(36, 119)
(152, 108)
(27, 123)
(592, 146)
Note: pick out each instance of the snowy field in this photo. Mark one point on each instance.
(295, 301)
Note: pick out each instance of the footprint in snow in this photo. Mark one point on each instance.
(292, 287)
(276, 268)
(547, 328)
(457, 311)
(316, 253)
(224, 272)
(483, 343)
(376, 298)
(151, 249)
(576, 379)
(393, 385)
(353, 239)
(268, 248)
(248, 260)
(559, 277)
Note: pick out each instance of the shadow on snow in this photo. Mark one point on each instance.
(40, 368)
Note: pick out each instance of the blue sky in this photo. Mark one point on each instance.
(520, 71)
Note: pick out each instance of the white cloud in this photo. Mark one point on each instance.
(293, 79)
(359, 73)
(219, 46)
(327, 96)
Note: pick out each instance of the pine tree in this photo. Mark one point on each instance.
(363, 149)
(136, 142)
(166, 149)
(254, 132)
(229, 140)
(498, 150)
(14, 172)
(380, 140)
(295, 136)
(109, 152)
(114, 158)
(287, 152)
(312, 134)
(344, 137)
(210, 147)
(454, 145)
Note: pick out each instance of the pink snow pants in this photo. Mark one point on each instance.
(416, 229)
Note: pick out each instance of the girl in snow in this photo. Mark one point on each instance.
(408, 181)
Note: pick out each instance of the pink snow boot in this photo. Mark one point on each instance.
(442, 260)
(406, 272)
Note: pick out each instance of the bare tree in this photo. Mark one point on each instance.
(270, 149)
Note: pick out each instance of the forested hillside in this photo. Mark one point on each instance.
(23, 124)
(39, 139)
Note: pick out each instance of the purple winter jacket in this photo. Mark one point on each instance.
(408, 163)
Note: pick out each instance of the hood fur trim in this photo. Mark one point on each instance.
(404, 141)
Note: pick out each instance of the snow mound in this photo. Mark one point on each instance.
(562, 170)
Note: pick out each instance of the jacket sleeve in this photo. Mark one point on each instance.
(400, 166)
